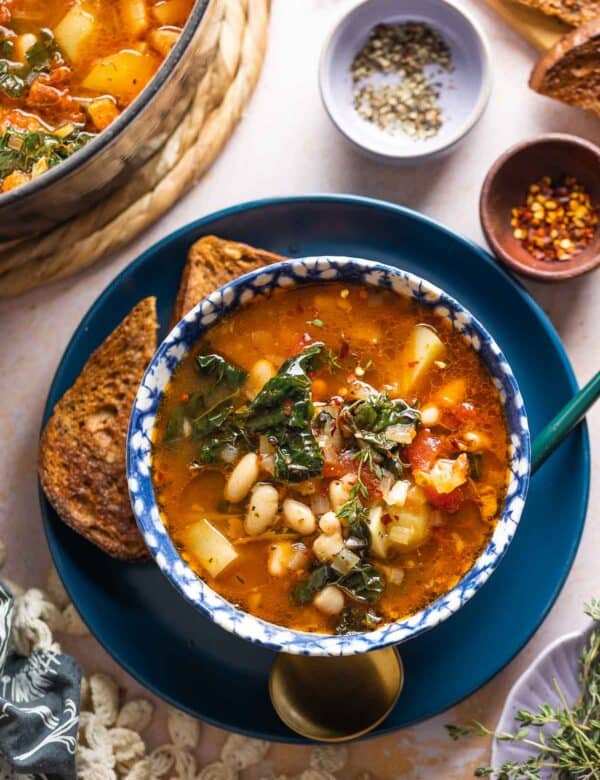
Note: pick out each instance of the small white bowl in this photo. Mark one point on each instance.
(560, 662)
(464, 93)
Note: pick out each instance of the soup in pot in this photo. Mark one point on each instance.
(67, 70)
(331, 458)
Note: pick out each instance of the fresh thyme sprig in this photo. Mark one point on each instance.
(572, 751)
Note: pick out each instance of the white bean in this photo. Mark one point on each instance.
(259, 375)
(339, 491)
(241, 479)
(396, 495)
(326, 546)
(299, 517)
(430, 414)
(262, 509)
(330, 523)
(329, 601)
(477, 441)
(279, 558)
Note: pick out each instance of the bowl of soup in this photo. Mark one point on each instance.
(89, 91)
(328, 455)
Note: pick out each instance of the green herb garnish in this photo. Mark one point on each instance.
(368, 423)
(20, 150)
(571, 749)
(317, 323)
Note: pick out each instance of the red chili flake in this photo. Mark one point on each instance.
(287, 408)
(185, 397)
(386, 519)
(344, 350)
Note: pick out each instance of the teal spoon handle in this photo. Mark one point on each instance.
(564, 422)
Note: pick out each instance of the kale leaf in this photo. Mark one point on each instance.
(305, 591)
(20, 150)
(364, 583)
(283, 411)
(210, 410)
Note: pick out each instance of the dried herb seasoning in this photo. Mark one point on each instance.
(408, 101)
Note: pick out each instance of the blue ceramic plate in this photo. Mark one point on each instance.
(179, 654)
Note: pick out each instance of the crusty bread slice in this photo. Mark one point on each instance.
(575, 12)
(570, 71)
(82, 451)
(211, 263)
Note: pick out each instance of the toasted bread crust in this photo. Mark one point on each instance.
(570, 71)
(211, 263)
(575, 12)
(82, 450)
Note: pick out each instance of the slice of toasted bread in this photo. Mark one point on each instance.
(82, 451)
(211, 263)
(570, 71)
(575, 12)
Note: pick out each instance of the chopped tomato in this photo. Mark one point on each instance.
(423, 451)
(465, 411)
(346, 464)
(448, 502)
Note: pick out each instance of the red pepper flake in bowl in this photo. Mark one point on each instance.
(557, 221)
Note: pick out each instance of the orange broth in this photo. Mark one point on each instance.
(367, 330)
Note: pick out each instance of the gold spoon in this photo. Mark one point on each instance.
(335, 698)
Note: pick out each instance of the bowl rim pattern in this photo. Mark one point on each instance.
(191, 328)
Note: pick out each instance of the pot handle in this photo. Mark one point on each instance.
(569, 416)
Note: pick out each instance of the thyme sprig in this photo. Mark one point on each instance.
(572, 751)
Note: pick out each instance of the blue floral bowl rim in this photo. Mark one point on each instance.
(311, 270)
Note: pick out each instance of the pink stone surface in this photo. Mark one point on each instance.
(286, 144)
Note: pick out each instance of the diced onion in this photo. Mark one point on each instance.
(229, 453)
(319, 503)
(345, 561)
(186, 428)
(401, 434)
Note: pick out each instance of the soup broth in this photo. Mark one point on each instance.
(67, 70)
(331, 458)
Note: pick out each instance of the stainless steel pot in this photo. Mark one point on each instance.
(114, 156)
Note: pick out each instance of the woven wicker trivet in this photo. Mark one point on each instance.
(241, 36)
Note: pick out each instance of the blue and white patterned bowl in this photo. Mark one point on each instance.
(187, 333)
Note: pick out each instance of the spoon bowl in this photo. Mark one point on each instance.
(336, 698)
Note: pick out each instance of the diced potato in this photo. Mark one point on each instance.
(213, 551)
(379, 534)
(102, 112)
(421, 349)
(410, 527)
(14, 179)
(135, 17)
(172, 12)
(452, 393)
(74, 30)
(123, 74)
(163, 40)
(446, 475)
(22, 45)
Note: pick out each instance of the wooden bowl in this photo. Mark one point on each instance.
(506, 185)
